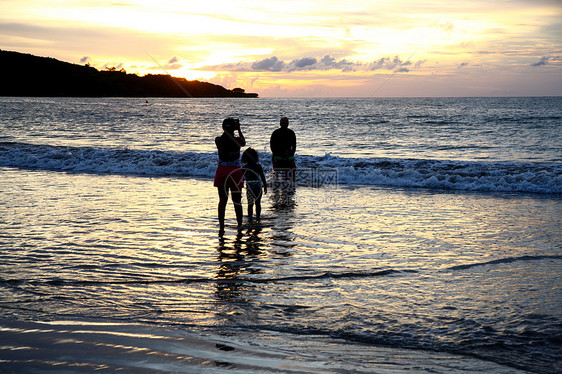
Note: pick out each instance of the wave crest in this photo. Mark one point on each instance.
(481, 176)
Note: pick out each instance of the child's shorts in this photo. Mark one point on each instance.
(253, 191)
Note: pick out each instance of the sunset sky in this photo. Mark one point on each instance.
(307, 48)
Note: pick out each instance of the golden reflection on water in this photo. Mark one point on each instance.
(258, 242)
(152, 244)
(436, 229)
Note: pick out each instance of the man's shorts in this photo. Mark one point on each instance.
(281, 162)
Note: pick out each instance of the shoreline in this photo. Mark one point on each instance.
(136, 347)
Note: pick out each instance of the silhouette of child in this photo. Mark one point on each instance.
(255, 181)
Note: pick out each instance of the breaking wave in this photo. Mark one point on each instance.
(485, 176)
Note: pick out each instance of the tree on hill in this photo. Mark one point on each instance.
(28, 75)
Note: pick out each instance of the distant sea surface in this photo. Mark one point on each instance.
(424, 235)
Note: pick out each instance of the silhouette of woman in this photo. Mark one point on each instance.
(229, 175)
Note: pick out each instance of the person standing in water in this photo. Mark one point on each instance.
(255, 182)
(229, 175)
(283, 143)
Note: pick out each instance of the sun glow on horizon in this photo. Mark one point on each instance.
(306, 45)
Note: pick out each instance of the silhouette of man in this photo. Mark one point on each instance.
(283, 145)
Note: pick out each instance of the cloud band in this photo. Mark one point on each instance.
(274, 64)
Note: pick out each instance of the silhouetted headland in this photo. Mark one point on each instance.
(27, 75)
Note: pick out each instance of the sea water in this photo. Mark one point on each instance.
(423, 235)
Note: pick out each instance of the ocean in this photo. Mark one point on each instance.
(423, 236)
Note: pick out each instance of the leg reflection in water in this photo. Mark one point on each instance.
(283, 187)
(238, 262)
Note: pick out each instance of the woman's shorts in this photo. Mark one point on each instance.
(229, 177)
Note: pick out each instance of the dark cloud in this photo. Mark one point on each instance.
(84, 59)
(172, 64)
(269, 64)
(329, 63)
(304, 62)
(390, 64)
(541, 62)
(327, 60)
(463, 65)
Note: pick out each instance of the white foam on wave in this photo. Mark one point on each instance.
(107, 160)
(434, 174)
(445, 174)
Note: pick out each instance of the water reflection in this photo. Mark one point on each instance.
(238, 263)
(242, 258)
(283, 196)
(283, 207)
